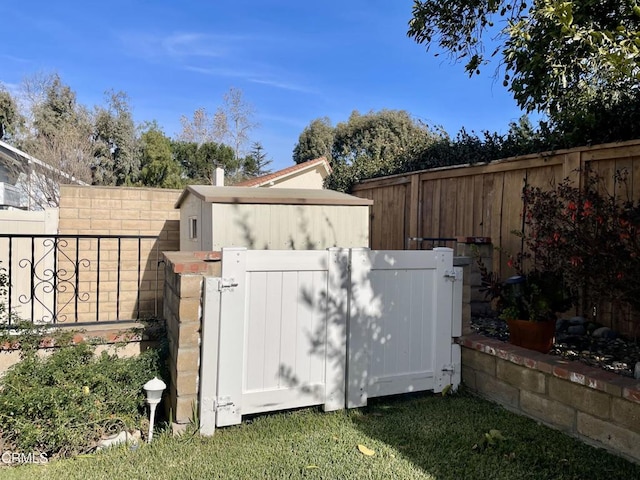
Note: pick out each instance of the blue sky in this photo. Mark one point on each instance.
(294, 61)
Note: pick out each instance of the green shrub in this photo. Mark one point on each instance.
(60, 404)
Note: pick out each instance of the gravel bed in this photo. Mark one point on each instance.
(612, 352)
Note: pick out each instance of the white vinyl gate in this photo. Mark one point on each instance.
(287, 329)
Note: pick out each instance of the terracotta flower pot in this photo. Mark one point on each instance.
(532, 335)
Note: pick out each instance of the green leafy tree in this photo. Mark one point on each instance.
(116, 161)
(231, 124)
(315, 141)
(158, 167)
(200, 161)
(557, 55)
(377, 143)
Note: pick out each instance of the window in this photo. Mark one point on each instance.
(193, 228)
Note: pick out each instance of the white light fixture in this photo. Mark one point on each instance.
(153, 389)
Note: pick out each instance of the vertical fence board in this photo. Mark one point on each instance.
(336, 345)
(364, 308)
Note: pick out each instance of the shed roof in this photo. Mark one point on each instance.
(282, 196)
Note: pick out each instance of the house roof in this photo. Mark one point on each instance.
(282, 196)
(285, 173)
(14, 155)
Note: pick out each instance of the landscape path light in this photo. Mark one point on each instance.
(153, 388)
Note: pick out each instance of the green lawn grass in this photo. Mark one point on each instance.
(426, 436)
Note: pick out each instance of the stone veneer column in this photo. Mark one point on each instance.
(474, 247)
(184, 272)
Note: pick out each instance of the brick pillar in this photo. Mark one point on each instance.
(474, 248)
(184, 274)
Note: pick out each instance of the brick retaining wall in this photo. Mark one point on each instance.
(598, 407)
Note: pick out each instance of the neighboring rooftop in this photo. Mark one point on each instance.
(14, 156)
(319, 165)
(282, 196)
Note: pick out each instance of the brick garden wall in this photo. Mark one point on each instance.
(95, 210)
(599, 407)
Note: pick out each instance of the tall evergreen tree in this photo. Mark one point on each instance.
(117, 162)
(158, 167)
(255, 164)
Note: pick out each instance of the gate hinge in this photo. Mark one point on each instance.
(226, 284)
(451, 275)
(223, 402)
(451, 368)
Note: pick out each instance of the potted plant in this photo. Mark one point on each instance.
(528, 302)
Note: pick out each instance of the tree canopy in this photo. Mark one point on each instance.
(553, 52)
(375, 143)
(115, 137)
(315, 141)
(256, 163)
(198, 161)
(10, 118)
(158, 167)
(103, 145)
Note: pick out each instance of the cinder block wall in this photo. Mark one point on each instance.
(600, 408)
(95, 210)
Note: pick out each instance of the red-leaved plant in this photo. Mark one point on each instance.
(588, 236)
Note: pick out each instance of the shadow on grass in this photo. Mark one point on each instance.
(445, 437)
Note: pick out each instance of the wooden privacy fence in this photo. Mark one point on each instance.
(286, 329)
(483, 200)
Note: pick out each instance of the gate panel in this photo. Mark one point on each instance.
(400, 353)
(402, 321)
(284, 341)
(275, 333)
(285, 345)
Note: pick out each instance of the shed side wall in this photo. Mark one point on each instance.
(283, 227)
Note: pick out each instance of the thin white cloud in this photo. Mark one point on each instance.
(251, 76)
(14, 59)
(216, 55)
(219, 72)
(179, 45)
(283, 85)
(194, 45)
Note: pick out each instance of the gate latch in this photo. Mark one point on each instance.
(451, 275)
(226, 284)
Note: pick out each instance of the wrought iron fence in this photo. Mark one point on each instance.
(79, 278)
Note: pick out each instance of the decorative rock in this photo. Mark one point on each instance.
(118, 439)
(576, 330)
(577, 321)
(604, 332)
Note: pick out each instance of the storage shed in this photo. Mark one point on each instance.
(275, 219)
